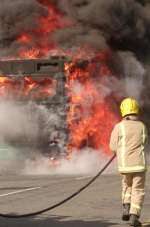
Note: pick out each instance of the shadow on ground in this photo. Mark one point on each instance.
(54, 221)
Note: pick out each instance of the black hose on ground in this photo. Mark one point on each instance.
(64, 200)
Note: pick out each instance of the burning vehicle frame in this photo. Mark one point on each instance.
(73, 93)
(47, 70)
(29, 70)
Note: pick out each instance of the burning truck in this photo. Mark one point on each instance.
(37, 88)
(69, 93)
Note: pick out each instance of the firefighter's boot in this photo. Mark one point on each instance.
(126, 209)
(135, 220)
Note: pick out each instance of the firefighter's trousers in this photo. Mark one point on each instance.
(133, 190)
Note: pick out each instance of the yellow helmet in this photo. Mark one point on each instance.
(129, 106)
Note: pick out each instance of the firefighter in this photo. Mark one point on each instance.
(128, 141)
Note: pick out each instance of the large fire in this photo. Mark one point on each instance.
(26, 88)
(42, 44)
(90, 117)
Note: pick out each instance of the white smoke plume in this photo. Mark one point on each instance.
(25, 130)
(133, 75)
(83, 162)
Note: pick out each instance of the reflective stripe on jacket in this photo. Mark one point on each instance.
(128, 140)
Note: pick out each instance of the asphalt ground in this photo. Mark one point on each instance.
(98, 206)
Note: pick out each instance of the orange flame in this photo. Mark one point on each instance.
(39, 42)
(27, 87)
(90, 116)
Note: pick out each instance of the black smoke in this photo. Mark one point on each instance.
(17, 17)
(124, 27)
(120, 25)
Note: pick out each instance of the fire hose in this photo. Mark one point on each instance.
(64, 200)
